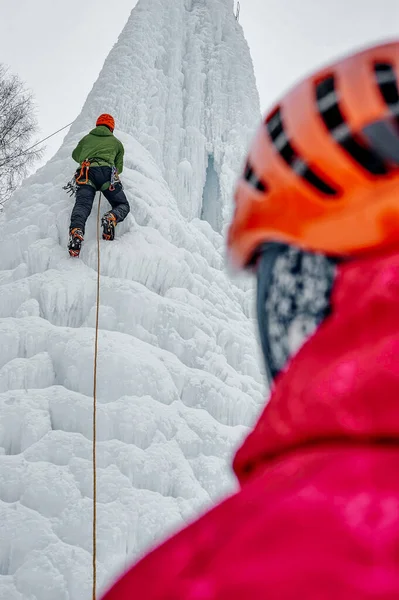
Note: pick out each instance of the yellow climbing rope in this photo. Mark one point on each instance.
(95, 409)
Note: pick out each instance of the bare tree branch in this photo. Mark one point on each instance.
(18, 125)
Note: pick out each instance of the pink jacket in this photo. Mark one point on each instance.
(317, 517)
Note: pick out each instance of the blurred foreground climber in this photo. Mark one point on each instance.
(317, 221)
(100, 155)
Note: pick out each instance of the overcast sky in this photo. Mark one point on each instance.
(59, 46)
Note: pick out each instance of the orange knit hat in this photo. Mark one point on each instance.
(107, 120)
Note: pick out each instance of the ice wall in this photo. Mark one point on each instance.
(182, 83)
(179, 377)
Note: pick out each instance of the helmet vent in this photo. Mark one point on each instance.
(388, 85)
(333, 118)
(275, 129)
(249, 175)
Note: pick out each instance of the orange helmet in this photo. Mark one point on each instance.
(322, 172)
(107, 120)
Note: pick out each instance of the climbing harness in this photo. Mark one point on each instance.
(84, 173)
(114, 179)
(95, 410)
(81, 177)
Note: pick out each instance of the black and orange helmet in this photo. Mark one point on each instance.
(322, 172)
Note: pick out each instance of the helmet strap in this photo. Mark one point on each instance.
(293, 298)
(265, 267)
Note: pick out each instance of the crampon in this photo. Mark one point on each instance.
(108, 223)
(75, 241)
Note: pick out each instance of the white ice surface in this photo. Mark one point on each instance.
(179, 376)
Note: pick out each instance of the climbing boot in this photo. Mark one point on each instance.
(75, 241)
(108, 223)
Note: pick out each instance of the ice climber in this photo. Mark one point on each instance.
(100, 155)
(317, 220)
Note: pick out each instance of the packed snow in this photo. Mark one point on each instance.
(179, 374)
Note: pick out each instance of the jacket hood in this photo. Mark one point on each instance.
(343, 385)
(101, 131)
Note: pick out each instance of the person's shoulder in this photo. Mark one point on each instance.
(117, 141)
(88, 136)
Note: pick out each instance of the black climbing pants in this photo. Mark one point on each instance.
(86, 193)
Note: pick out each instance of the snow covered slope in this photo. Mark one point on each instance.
(179, 379)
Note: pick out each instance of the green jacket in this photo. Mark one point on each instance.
(100, 144)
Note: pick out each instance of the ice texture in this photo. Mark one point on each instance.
(179, 375)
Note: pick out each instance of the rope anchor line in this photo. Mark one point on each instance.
(13, 156)
(95, 409)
